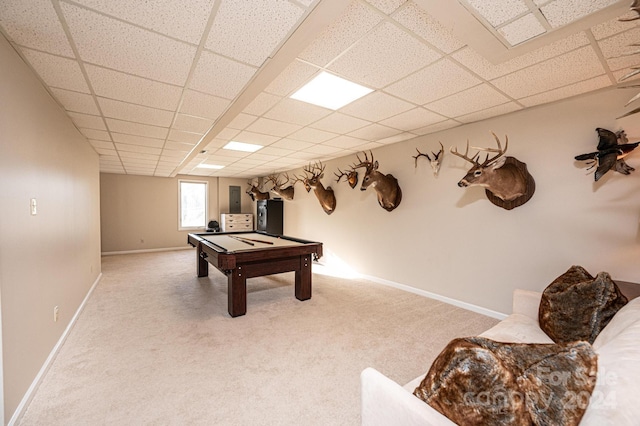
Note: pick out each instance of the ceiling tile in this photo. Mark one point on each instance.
(387, 6)
(291, 144)
(397, 138)
(612, 27)
(413, 119)
(220, 76)
(479, 65)
(563, 12)
(262, 103)
(307, 134)
(241, 121)
(324, 150)
(376, 106)
(117, 45)
(489, 112)
(184, 137)
(443, 125)
(277, 152)
(189, 123)
(394, 53)
(203, 105)
(95, 134)
(298, 112)
(132, 89)
(374, 132)
(551, 74)
(56, 71)
(522, 29)
(34, 24)
(471, 100)
(122, 147)
(226, 134)
(183, 20)
(424, 25)
(419, 87)
(614, 47)
(292, 78)
(345, 142)
(138, 129)
(102, 145)
(87, 121)
(354, 23)
(255, 138)
(172, 145)
(75, 101)
(497, 12)
(250, 30)
(339, 123)
(137, 140)
(567, 91)
(272, 127)
(132, 112)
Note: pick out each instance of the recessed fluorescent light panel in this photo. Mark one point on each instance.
(330, 91)
(241, 146)
(209, 166)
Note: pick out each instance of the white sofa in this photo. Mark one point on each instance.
(614, 400)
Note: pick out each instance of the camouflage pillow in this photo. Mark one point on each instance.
(477, 381)
(577, 306)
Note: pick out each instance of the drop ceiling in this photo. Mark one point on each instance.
(158, 87)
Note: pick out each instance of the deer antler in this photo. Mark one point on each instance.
(369, 164)
(465, 156)
(500, 151)
(339, 176)
(420, 154)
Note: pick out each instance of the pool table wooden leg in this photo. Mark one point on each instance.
(201, 261)
(303, 278)
(237, 292)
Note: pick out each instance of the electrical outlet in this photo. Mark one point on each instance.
(55, 313)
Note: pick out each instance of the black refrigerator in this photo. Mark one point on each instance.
(270, 216)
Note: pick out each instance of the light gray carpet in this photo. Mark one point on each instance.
(156, 346)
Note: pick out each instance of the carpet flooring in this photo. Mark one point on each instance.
(155, 345)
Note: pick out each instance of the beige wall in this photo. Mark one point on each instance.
(453, 242)
(52, 258)
(141, 212)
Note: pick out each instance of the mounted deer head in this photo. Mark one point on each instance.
(504, 177)
(325, 196)
(255, 193)
(386, 186)
(435, 162)
(351, 177)
(286, 193)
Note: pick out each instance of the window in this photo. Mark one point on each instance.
(192, 204)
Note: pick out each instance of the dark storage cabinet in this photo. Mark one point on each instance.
(270, 215)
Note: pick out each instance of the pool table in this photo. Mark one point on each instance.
(242, 255)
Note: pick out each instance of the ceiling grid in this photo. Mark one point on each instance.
(160, 87)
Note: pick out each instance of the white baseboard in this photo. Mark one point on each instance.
(454, 302)
(28, 396)
(112, 253)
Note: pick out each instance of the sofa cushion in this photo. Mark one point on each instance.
(477, 381)
(517, 328)
(615, 398)
(577, 306)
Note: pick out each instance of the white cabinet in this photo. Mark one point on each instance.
(236, 222)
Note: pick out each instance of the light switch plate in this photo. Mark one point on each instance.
(34, 207)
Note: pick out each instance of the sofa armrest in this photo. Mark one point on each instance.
(384, 402)
(526, 302)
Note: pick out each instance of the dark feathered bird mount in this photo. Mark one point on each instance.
(611, 150)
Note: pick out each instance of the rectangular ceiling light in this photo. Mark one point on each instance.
(330, 91)
(209, 166)
(242, 146)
